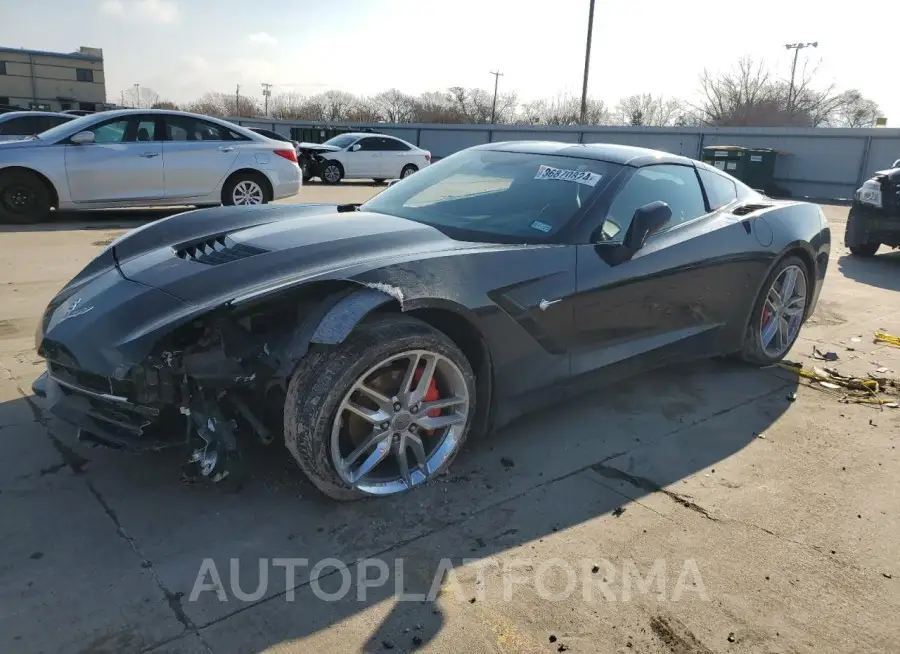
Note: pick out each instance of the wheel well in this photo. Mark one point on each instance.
(267, 185)
(807, 260)
(54, 197)
(470, 341)
(409, 166)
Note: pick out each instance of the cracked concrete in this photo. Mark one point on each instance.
(787, 512)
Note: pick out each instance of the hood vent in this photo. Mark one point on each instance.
(214, 251)
(745, 209)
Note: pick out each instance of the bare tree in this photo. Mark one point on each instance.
(395, 106)
(854, 110)
(140, 96)
(165, 104)
(648, 109)
(287, 106)
(364, 110)
(564, 110)
(225, 104)
(477, 105)
(435, 107)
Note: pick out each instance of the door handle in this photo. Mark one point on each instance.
(226, 148)
(149, 155)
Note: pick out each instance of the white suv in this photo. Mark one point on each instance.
(367, 156)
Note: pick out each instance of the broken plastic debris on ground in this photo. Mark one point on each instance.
(882, 337)
(874, 390)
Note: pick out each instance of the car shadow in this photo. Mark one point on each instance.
(882, 270)
(347, 182)
(583, 460)
(100, 219)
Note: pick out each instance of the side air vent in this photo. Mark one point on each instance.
(214, 251)
(745, 209)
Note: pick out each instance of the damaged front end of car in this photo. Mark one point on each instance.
(207, 383)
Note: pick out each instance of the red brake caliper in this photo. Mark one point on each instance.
(430, 395)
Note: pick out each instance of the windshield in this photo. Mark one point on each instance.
(341, 141)
(496, 196)
(70, 127)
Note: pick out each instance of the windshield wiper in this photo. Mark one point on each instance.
(343, 208)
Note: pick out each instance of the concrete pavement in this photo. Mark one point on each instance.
(697, 510)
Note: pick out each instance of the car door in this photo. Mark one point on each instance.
(676, 297)
(366, 161)
(397, 155)
(197, 155)
(124, 163)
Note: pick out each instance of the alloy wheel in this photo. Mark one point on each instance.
(332, 173)
(247, 192)
(408, 172)
(782, 313)
(400, 422)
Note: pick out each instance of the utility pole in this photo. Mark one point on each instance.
(123, 97)
(497, 75)
(587, 63)
(137, 96)
(796, 47)
(237, 100)
(267, 91)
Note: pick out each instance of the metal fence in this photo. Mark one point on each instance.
(820, 163)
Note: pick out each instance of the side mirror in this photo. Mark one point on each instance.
(647, 220)
(355, 147)
(83, 138)
(896, 164)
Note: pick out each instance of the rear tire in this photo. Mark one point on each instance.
(24, 198)
(867, 250)
(408, 170)
(246, 189)
(332, 172)
(326, 377)
(378, 181)
(754, 350)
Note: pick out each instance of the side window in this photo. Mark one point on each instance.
(23, 126)
(677, 186)
(183, 128)
(146, 131)
(369, 145)
(84, 74)
(395, 145)
(56, 121)
(719, 189)
(112, 132)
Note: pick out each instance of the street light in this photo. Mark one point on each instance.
(796, 47)
(587, 62)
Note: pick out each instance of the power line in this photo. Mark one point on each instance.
(497, 75)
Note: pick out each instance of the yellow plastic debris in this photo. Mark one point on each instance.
(881, 337)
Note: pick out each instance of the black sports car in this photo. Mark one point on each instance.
(377, 337)
(874, 218)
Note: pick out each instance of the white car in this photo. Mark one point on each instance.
(142, 157)
(363, 155)
(17, 125)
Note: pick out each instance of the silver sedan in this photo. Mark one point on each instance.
(138, 158)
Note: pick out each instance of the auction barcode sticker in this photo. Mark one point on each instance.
(580, 176)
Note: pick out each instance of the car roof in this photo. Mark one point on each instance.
(16, 114)
(620, 154)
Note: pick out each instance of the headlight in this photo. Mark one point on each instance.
(870, 193)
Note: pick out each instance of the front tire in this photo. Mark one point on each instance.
(332, 172)
(382, 412)
(24, 198)
(856, 236)
(245, 189)
(778, 313)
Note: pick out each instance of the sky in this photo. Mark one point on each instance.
(183, 48)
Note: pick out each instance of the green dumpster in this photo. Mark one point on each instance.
(753, 166)
(316, 133)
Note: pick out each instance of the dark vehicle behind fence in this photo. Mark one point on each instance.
(874, 218)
